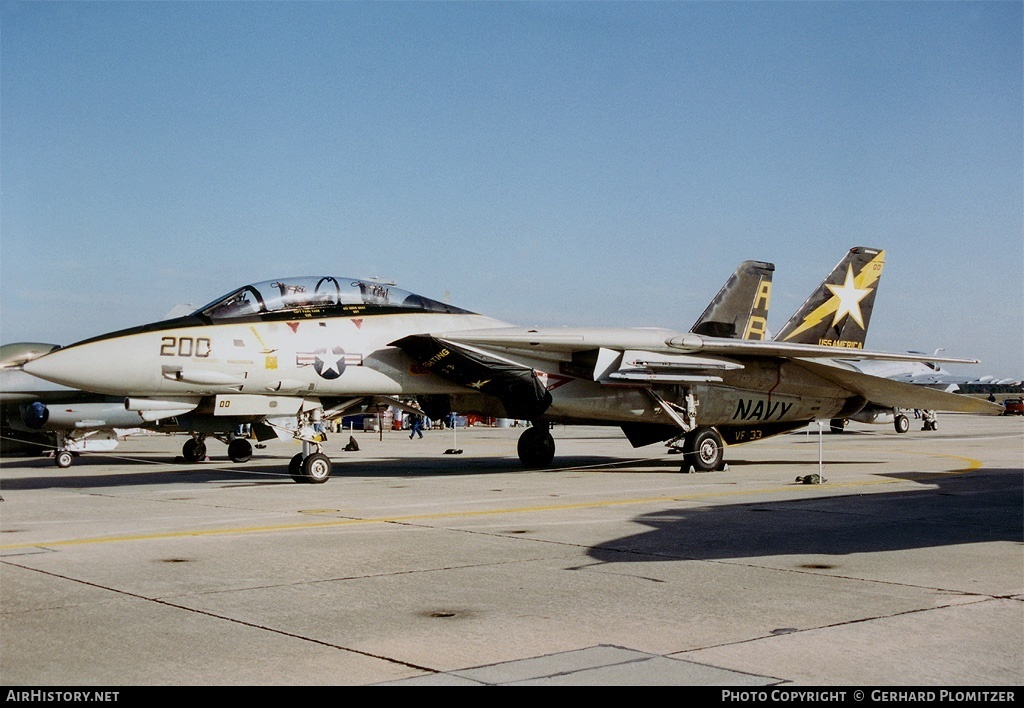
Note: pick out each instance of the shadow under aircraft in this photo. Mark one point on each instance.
(947, 510)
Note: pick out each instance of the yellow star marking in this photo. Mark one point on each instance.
(849, 299)
(867, 277)
(479, 384)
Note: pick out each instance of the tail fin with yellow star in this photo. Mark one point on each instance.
(838, 312)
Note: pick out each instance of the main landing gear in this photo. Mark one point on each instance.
(536, 446)
(703, 450)
(240, 450)
(194, 450)
(901, 423)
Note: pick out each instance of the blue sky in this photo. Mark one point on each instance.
(581, 163)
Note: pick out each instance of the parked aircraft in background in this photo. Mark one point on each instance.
(920, 374)
(306, 347)
(38, 416)
(929, 374)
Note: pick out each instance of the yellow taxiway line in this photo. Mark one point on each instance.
(970, 465)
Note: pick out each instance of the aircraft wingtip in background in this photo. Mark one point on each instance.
(18, 353)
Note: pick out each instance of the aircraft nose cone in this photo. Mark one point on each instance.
(45, 367)
(111, 365)
(67, 367)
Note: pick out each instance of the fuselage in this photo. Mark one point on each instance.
(317, 338)
(327, 356)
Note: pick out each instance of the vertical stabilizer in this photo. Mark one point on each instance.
(838, 312)
(740, 310)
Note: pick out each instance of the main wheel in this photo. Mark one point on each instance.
(295, 468)
(536, 447)
(901, 423)
(240, 450)
(193, 450)
(705, 450)
(63, 458)
(317, 468)
(837, 425)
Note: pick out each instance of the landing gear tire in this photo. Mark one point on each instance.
(193, 450)
(240, 450)
(63, 459)
(536, 447)
(295, 468)
(901, 423)
(837, 425)
(317, 468)
(705, 450)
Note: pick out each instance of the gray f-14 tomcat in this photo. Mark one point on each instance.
(310, 348)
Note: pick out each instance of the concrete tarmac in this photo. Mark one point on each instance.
(415, 567)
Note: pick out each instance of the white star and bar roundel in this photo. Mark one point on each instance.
(329, 363)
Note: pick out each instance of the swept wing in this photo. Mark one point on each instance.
(648, 355)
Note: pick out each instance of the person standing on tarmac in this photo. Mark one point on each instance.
(416, 426)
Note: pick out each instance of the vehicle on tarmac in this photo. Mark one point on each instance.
(1013, 406)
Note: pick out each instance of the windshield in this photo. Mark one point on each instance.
(317, 293)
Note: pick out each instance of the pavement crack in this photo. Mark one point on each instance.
(793, 631)
(225, 618)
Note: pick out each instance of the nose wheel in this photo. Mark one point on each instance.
(314, 468)
(62, 456)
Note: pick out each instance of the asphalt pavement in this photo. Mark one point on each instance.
(414, 565)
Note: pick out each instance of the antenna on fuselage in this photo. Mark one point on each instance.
(380, 281)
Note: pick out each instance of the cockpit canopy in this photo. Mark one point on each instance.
(317, 295)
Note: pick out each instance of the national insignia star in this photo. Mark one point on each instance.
(849, 299)
(329, 363)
